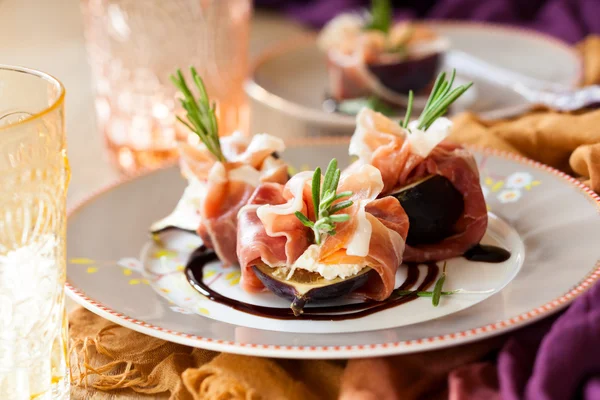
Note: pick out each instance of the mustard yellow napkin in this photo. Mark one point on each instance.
(569, 142)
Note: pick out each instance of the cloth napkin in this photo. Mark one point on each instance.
(556, 358)
(570, 20)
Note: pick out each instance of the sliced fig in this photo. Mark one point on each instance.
(410, 74)
(433, 206)
(305, 286)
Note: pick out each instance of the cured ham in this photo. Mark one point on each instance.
(217, 190)
(370, 239)
(365, 61)
(408, 157)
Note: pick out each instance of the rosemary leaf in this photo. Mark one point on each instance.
(452, 78)
(336, 180)
(200, 85)
(436, 86)
(437, 290)
(316, 186)
(305, 221)
(339, 218)
(340, 206)
(341, 195)
(328, 180)
(408, 109)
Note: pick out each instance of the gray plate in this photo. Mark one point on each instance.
(556, 218)
(290, 79)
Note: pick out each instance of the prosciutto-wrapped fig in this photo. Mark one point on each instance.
(222, 174)
(322, 237)
(437, 182)
(371, 56)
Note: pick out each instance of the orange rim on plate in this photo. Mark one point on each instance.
(428, 343)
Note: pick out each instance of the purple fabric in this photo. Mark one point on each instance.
(570, 20)
(557, 358)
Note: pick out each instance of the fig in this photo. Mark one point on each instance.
(433, 206)
(305, 286)
(410, 74)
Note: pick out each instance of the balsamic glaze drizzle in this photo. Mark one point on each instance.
(487, 253)
(202, 256)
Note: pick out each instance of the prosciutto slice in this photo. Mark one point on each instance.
(350, 49)
(220, 189)
(270, 233)
(404, 158)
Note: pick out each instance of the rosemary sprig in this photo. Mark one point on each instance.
(404, 123)
(381, 16)
(435, 295)
(441, 97)
(201, 117)
(323, 197)
(424, 293)
(437, 289)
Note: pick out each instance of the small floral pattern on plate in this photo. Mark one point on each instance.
(505, 189)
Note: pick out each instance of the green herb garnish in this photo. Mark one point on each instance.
(437, 289)
(353, 106)
(381, 16)
(404, 123)
(323, 197)
(424, 293)
(201, 117)
(440, 98)
(435, 295)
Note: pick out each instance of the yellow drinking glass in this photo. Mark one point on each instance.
(34, 175)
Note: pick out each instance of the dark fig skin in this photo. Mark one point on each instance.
(405, 75)
(433, 206)
(322, 291)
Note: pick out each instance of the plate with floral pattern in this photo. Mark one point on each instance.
(546, 219)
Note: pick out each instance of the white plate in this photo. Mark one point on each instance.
(162, 263)
(291, 78)
(549, 221)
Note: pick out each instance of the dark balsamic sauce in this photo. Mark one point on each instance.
(201, 256)
(487, 253)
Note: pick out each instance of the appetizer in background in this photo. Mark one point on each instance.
(222, 173)
(436, 182)
(322, 237)
(372, 60)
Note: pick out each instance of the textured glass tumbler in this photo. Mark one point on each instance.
(34, 175)
(133, 47)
